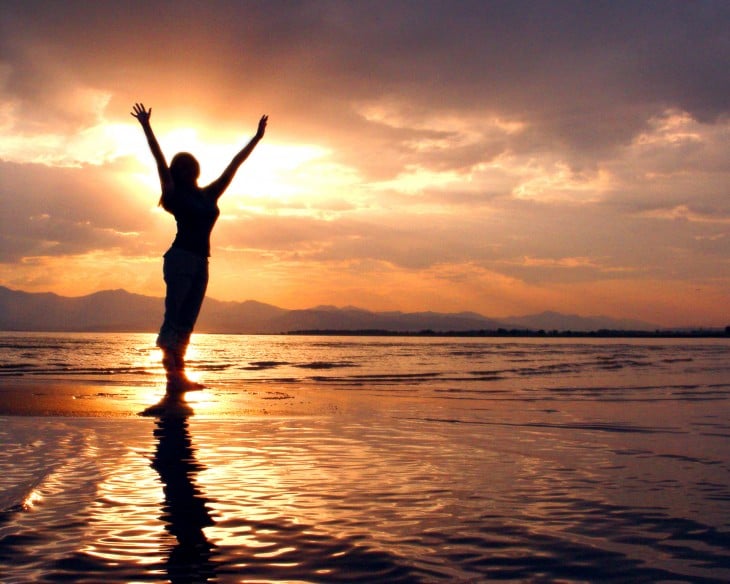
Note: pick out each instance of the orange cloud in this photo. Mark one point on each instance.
(424, 159)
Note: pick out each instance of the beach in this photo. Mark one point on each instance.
(373, 460)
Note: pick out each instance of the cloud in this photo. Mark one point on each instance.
(544, 144)
(568, 69)
(65, 211)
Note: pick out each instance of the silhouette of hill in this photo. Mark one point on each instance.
(110, 310)
(358, 319)
(122, 311)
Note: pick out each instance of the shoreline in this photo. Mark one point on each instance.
(680, 333)
(527, 334)
(39, 397)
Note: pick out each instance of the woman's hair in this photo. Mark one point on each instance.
(185, 170)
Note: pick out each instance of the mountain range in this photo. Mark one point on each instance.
(122, 311)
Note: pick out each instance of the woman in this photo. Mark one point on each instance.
(186, 263)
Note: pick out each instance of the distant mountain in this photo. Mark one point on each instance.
(122, 311)
(119, 310)
(249, 317)
(111, 310)
(357, 319)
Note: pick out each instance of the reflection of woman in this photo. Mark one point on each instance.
(186, 262)
(184, 510)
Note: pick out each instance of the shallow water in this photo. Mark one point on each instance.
(447, 460)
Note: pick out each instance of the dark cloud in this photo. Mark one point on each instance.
(584, 75)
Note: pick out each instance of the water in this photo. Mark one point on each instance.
(325, 459)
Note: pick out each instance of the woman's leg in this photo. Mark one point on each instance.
(186, 277)
(178, 281)
(191, 304)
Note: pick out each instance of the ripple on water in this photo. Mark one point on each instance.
(509, 491)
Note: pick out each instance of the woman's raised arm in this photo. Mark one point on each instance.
(143, 117)
(221, 183)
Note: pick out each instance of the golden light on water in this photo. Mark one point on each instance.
(124, 511)
(214, 489)
(203, 401)
(32, 499)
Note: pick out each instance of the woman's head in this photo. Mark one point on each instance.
(184, 169)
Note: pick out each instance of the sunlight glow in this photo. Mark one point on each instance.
(561, 183)
(32, 499)
(672, 128)
(416, 179)
(58, 146)
(90, 146)
(126, 499)
(203, 400)
(263, 175)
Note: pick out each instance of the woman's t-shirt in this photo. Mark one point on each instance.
(196, 212)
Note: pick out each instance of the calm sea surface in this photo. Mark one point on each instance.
(384, 460)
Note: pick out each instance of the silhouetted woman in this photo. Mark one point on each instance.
(186, 262)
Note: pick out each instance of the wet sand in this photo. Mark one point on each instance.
(440, 461)
(90, 398)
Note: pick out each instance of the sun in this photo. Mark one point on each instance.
(275, 172)
(267, 173)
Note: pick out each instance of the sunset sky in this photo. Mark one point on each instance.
(498, 157)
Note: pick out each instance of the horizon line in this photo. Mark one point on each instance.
(654, 326)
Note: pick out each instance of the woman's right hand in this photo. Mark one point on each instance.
(262, 126)
(142, 114)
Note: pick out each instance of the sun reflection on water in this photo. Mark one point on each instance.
(32, 499)
(452, 476)
(122, 514)
(200, 398)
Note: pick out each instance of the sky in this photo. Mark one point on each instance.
(504, 158)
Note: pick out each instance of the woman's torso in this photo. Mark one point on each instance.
(196, 213)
